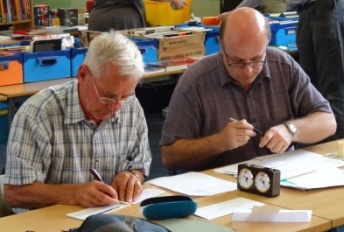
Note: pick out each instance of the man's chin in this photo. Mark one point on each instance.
(104, 117)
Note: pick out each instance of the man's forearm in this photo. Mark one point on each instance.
(314, 127)
(191, 153)
(38, 195)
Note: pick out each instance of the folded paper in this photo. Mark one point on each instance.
(272, 214)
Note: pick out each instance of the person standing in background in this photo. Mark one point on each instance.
(263, 6)
(320, 42)
(267, 6)
(121, 14)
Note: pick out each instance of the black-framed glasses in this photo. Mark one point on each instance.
(253, 64)
(109, 101)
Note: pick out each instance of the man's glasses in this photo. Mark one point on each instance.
(253, 64)
(109, 101)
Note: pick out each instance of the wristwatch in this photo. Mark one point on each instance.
(291, 128)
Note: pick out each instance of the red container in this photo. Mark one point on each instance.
(89, 5)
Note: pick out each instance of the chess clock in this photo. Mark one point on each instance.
(259, 180)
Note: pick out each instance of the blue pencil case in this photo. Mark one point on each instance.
(158, 208)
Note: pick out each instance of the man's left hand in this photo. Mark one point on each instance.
(277, 139)
(128, 186)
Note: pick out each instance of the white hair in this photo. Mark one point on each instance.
(115, 48)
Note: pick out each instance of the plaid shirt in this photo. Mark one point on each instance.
(52, 142)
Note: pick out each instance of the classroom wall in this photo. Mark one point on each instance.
(199, 7)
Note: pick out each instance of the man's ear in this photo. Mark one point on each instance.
(82, 73)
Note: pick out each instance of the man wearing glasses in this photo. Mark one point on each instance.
(245, 101)
(93, 123)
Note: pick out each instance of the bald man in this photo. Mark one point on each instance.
(223, 100)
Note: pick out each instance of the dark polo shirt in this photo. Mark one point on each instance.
(206, 96)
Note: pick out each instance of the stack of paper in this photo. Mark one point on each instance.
(299, 169)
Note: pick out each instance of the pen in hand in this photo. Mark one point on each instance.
(257, 131)
(96, 176)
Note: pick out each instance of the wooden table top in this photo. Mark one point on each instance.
(326, 204)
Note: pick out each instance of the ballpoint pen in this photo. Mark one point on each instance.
(96, 175)
(257, 131)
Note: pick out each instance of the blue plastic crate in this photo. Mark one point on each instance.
(77, 58)
(283, 33)
(148, 48)
(41, 66)
(211, 41)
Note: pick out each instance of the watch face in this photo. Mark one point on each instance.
(262, 182)
(245, 178)
(292, 128)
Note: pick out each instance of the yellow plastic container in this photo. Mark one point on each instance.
(160, 13)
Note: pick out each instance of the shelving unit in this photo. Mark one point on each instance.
(18, 9)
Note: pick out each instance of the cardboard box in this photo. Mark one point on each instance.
(195, 37)
(190, 50)
(211, 41)
(11, 69)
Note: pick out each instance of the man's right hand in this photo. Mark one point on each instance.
(95, 194)
(236, 134)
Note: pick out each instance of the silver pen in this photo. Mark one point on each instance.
(257, 131)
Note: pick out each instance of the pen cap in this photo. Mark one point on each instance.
(157, 208)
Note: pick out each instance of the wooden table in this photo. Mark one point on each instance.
(54, 219)
(326, 204)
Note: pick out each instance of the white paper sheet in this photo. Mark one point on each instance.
(321, 178)
(83, 214)
(194, 184)
(218, 210)
(272, 214)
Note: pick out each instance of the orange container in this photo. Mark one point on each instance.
(160, 13)
(211, 20)
(11, 69)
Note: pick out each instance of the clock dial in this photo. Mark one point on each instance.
(262, 182)
(245, 178)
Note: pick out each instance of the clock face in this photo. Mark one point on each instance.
(245, 178)
(262, 182)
